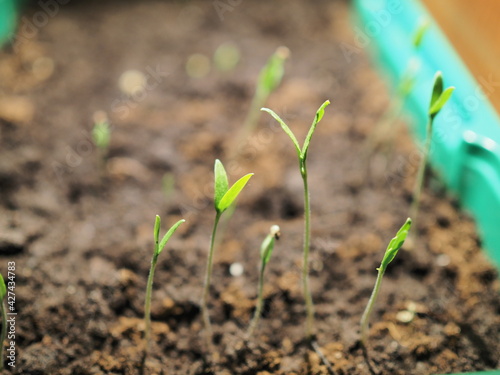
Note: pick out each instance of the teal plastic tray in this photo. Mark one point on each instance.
(465, 148)
(8, 19)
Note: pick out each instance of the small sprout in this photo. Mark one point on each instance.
(439, 98)
(226, 57)
(422, 28)
(391, 252)
(224, 196)
(101, 133)
(269, 79)
(3, 335)
(159, 246)
(302, 156)
(385, 130)
(266, 250)
(101, 136)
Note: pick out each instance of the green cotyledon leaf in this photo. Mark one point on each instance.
(221, 183)
(169, 234)
(232, 193)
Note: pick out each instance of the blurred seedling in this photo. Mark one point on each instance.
(101, 136)
(159, 246)
(266, 250)
(439, 98)
(3, 335)
(383, 135)
(269, 79)
(302, 156)
(390, 253)
(226, 57)
(224, 196)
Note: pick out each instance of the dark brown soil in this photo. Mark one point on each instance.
(81, 236)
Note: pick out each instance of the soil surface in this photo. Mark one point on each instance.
(80, 230)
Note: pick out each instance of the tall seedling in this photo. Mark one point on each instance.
(302, 156)
(223, 198)
(439, 98)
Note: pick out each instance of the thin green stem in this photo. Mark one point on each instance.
(421, 175)
(208, 277)
(4, 332)
(147, 304)
(305, 265)
(369, 307)
(260, 303)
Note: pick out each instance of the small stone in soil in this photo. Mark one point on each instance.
(236, 269)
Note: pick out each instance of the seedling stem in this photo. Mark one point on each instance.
(159, 246)
(224, 197)
(302, 155)
(439, 98)
(391, 252)
(266, 251)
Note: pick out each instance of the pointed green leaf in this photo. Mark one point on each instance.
(271, 74)
(319, 115)
(437, 88)
(441, 101)
(420, 32)
(169, 234)
(221, 183)
(395, 244)
(285, 128)
(156, 232)
(233, 193)
(3, 289)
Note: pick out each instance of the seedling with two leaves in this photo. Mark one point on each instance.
(159, 246)
(439, 98)
(224, 196)
(302, 156)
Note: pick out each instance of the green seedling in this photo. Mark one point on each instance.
(266, 250)
(159, 246)
(302, 155)
(269, 79)
(101, 136)
(224, 196)
(391, 252)
(439, 98)
(3, 294)
(383, 135)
